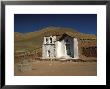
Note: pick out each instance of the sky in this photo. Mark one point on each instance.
(85, 23)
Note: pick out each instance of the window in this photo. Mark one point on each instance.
(67, 40)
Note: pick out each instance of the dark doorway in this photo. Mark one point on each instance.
(68, 49)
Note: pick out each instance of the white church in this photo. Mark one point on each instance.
(60, 47)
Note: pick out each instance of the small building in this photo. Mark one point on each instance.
(60, 46)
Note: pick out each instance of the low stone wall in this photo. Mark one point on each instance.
(24, 65)
(89, 51)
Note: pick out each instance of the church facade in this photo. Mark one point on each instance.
(60, 47)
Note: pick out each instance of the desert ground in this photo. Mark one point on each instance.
(59, 68)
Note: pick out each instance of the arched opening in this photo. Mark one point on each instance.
(46, 40)
(48, 53)
(50, 40)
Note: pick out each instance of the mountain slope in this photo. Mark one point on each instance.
(34, 40)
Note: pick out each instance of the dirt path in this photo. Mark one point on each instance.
(56, 68)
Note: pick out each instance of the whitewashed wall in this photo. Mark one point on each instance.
(45, 51)
(60, 49)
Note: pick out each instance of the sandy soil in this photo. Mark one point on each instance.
(57, 68)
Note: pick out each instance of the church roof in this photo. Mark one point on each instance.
(62, 36)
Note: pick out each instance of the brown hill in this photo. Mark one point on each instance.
(34, 40)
